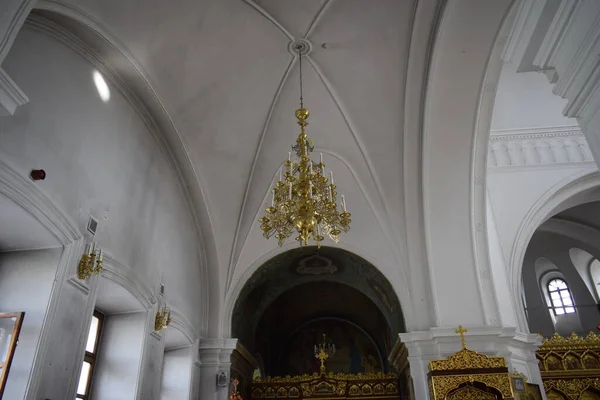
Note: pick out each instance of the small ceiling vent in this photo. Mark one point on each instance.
(92, 225)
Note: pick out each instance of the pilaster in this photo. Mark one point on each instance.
(517, 348)
(215, 357)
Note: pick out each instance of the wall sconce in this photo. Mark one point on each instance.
(90, 263)
(163, 319)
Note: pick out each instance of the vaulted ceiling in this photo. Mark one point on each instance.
(221, 84)
(226, 77)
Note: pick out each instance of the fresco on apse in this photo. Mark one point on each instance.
(355, 352)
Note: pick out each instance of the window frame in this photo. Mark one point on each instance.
(562, 306)
(91, 357)
(12, 346)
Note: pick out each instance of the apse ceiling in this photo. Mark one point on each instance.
(223, 72)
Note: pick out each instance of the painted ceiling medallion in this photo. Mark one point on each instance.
(304, 199)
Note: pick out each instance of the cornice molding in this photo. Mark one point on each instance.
(11, 96)
(534, 133)
(538, 147)
(130, 280)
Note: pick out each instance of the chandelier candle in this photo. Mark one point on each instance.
(304, 200)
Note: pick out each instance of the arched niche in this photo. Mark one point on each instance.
(302, 293)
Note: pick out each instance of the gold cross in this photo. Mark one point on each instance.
(322, 356)
(235, 384)
(462, 332)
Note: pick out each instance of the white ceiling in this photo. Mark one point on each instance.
(19, 230)
(174, 339)
(224, 74)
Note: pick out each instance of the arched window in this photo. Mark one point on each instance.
(560, 295)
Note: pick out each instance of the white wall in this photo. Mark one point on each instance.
(120, 350)
(26, 280)
(525, 100)
(176, 374)
(100, 159)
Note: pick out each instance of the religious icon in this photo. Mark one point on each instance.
(573, 363)
(518, 384)
(590, 362)
(533, 392)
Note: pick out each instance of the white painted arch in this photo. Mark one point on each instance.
(568, 193)
(236, 288)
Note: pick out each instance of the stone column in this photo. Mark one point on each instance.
(517, 348)
(215, 357)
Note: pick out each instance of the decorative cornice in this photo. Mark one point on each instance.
(11, 96)
(592, 340)
(538, 147)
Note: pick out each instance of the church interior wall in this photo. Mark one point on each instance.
(177, 373)
(120, 170)
(119, 361)
(548, 257)
(26, 280)
(101, 160)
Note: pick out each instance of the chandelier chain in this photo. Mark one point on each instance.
(300, 58)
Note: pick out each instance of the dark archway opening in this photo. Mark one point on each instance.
(297, 296)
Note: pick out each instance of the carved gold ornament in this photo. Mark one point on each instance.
(464, 374)
(466, 359)
(336, 385)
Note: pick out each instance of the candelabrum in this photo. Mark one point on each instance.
(304, 199)
(163, 319)
(323, 351)
(235, 394)
(90, 262)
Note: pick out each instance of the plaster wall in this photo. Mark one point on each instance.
(515, 192)
(101, 159)
(555, 248)
(26, 281)
(195, 383)
(525, 100)
(177, 374)
(120, 352)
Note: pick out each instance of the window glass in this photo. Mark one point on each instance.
(92, 335)
(83, 378)
(91, 351)
(562, 302)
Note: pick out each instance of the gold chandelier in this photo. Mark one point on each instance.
(304, 200)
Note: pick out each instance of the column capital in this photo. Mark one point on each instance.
(216, 351)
